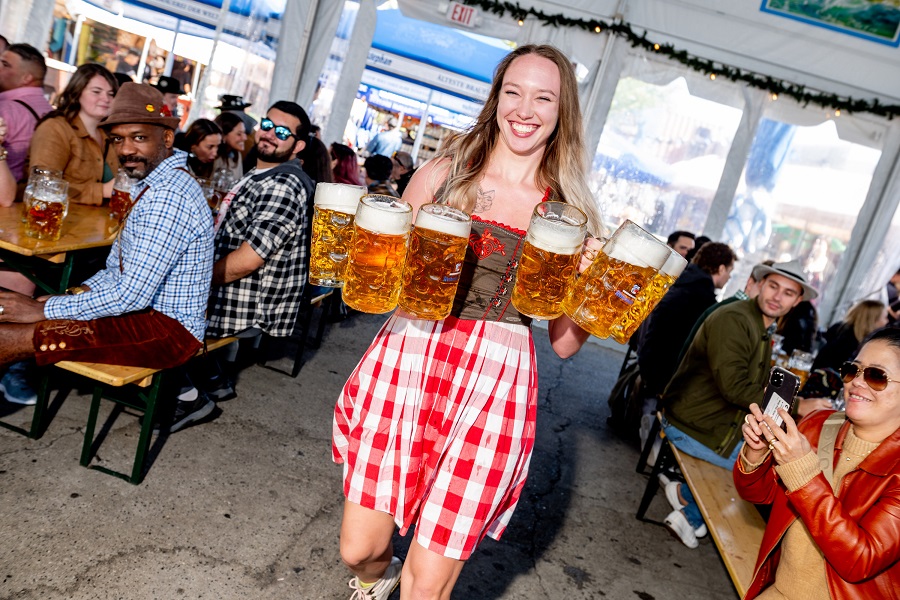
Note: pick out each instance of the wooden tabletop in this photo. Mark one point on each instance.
(84, 227)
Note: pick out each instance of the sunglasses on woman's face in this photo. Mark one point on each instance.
(281, 132)
(875, 377)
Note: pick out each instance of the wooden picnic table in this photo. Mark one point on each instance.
(84, 227)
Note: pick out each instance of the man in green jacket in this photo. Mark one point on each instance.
(724, 370)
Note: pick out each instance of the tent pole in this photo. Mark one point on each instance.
(420, 130)
(199, 94)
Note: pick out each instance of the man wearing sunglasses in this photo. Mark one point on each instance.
(262, 234)
(723, 371)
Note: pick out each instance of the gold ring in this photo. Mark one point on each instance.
(747, 420)
(772, 444)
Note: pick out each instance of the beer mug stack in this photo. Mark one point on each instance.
(377, 254)
(648, 298)
(332, 232)
(618, 276)
(549, 260)
(434, 261)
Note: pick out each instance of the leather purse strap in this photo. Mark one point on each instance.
(827, 438)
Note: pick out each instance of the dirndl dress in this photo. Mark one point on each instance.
(436, 424)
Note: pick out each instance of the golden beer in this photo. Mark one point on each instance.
(119, 204)
(649, 297)
(549, 260)
(332, 232)
(377, 254)
(44, 219)
(613, 282)
(437, 249)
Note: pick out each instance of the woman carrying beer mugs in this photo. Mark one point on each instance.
(435, 426)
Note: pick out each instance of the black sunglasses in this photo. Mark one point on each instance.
(875, 377)
(281, 132)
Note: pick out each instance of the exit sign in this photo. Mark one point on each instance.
(461, 14)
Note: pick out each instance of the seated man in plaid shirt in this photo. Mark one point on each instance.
(146, 308)
(261, 242)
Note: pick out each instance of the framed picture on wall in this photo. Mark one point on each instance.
(873, 20)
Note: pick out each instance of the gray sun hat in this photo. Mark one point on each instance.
(792, 270)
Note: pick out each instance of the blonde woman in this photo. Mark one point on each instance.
(843, 338)
(435, 427)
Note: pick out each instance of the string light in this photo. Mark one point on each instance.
(712, 76)
(774, 96)
(624, 30)
(837, 112)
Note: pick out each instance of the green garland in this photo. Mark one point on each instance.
(712, 68)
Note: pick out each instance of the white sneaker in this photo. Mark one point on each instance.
(678, 525)
(383, 587)
(654, 452)
(675, 502)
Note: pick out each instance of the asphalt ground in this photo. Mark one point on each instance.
(248, 505)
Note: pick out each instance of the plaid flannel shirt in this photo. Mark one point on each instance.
(167, 256)
(269, 212)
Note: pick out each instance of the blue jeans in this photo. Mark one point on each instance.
(689, 445)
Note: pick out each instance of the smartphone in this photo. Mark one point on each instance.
(781, 392)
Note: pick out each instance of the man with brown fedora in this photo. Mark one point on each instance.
(147, 307)
(723, 371)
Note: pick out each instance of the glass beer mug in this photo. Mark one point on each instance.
(434, 261)
(37, 175)
(47, 208)
(332, 232)
(120, 201)
(649, 297)
(549, 260)
(611, 285)
(377, 254)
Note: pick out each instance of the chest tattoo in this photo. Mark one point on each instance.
(483, 200)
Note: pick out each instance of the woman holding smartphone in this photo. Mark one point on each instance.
(833, 481)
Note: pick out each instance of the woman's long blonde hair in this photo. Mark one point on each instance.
(863, 316)
(563, 166)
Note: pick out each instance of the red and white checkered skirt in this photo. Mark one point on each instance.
(436, 425)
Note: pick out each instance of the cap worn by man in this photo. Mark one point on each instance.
(147, 307)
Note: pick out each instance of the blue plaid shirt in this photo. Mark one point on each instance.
(167, 254)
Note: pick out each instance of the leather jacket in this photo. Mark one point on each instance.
(858, 531)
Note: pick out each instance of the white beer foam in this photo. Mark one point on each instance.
(443, 220)
(383, 214)
(675, 264)
(341, 197)
(559, 237)
(629, 246)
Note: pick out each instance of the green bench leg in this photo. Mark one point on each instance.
(149, 397)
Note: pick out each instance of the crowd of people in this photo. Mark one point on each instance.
(436, 425)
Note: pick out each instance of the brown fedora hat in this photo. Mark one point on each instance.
(138, 103)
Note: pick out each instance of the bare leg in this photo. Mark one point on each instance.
(16, 342)
(366, 541)
(16, 282)
(428, 575)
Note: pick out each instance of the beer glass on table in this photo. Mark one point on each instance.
(120, 201)
(610, 286)
(437, 249)
(377, 254)
(332, 232)
(48, 207)
(37, 175)
(549, 260)
(800, 364)
(649, 297)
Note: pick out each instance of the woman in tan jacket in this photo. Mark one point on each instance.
(69, 139)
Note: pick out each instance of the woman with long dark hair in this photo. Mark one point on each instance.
(344, 164)
(201, 141)
(68, 139)
(234, 136)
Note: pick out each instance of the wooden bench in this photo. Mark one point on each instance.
(734, 524)
(109, 378)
